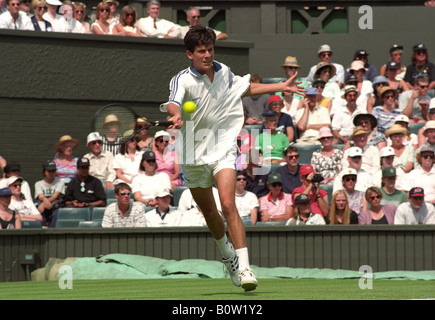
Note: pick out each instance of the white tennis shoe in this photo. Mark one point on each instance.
(232, 268)
(248, 281)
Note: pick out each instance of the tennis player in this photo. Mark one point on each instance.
(207, 142)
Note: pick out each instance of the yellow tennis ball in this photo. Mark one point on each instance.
(189, 106)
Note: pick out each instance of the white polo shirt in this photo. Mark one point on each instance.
(150, 186)
(22, 23)
(209, 133)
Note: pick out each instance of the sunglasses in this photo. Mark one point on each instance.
(125, 194)
(79, 11)
(277, 184)
(162, 140)
(151, 161)
(93, 143)
(431, 156)
(41, 8)
(375, 197)
(129, 14)
(102, 10)
(389, 96)
(326, 54)
(424, 87)
(241, 179)
(353, 179)
(293, 157)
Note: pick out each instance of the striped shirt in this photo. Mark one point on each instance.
(385, 119)
(134, 217)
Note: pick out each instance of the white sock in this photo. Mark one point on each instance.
(242, 253)
(225, 247)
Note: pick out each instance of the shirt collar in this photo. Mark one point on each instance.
(269, 197)
(216, 65)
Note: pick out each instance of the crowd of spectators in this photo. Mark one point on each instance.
(366, 162)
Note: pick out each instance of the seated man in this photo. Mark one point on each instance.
(276, 205)
(254, 106)
(13, 19)
(124, 213)
(290, 173)
(256, 175)
(101, 161)
(163, 215)
(415, 103)
(310, 187)
(24, 207)
(85, 190)
(271, 142)
(416, 210)
(153, 26)
(13, 169)
(311, 118)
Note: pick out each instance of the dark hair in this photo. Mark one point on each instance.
(291, 149)
(199, 35)
(121, 186)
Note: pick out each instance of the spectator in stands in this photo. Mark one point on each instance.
(256, 175)
(348, 179)
(410, 139)
(187, 203)
(25, 207)
(290, 67)
(9, 219)
(114, 17)
(322, 101)
(12, 19)
(85, 191)
(328, 161)
(396, 53)
(246, 202)
(378, 83)
(370, 154)
(311, 118)
(390, 194)
(271, 142)
(424, 174)
(254, 106)
(324, 53)
(103, 25)
(326, 71)
(111, 134)
(302, 214)
(193, 18)
(162, 215)
(404, 154)
(311, 187)
(416, 210)
(25, 7)
(166, 158)
(426, 134)
(363, 55)
(420, 65)
(2, 6)
(127, 162)
(149, 182)
(124, 213)
(39, 23)
(101, 162)
(71, 25)
(343, 121)
(354, 161)
(377, 214)
(415, 102)
(364, 87)
(285, 122)
(146, 141)
(154, 27)
(340, 212)
(369, 123)
(290, 173)
(127, 25)
(386, 113)
(13, 169)
(80, 14)
(64, 158)
(57, 21)
(400, 86)
(387, 156)
(276, 205)
(49, 194)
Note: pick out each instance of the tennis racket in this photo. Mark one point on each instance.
(118, 123)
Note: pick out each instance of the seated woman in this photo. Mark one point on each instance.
(302, 214)
(276, 205)
(9, 219)
(377, 214)
(102, 24)
(387, 112)
(127, 162)
(127, 25)
(369, 123)
(166, 158)
(66, 162)
(340, 212)
(79, 14)
(404, 154)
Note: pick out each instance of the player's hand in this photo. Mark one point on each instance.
(177, 122)
(292, 86)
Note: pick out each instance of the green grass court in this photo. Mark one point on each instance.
(218, 289)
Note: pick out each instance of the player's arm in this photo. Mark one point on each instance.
(174, 114)
(288, 86)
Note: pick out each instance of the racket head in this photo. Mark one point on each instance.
(114, 121)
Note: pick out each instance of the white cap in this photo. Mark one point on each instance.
(163, 193)
(94, 136)
(355, 152)
(54, 2)
(348, 172)
(324, 48)
(162, 133)
(429, 125)
(386, 152)
(8, 181)
(402, 118)
(432, 104)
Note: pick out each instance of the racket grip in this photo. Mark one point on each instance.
(163, 123)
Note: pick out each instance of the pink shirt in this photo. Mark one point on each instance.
(276, 208)
(166, 164)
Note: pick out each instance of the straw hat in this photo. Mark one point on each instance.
(385, 90)
(394, 129)
(110, 120)
(358, 130)
(65, 139)
(291, 62)
(322, 65)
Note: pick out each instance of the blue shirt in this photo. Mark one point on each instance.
(385, 120)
